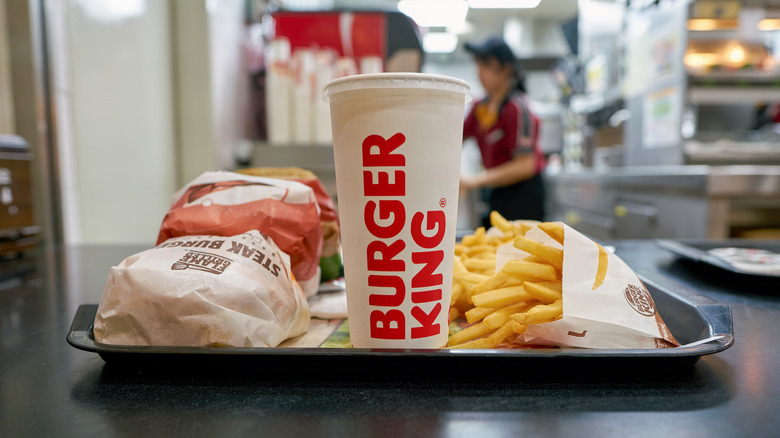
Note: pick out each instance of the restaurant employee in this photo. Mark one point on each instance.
(507, 134)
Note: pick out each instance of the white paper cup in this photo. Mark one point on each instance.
(397, 139)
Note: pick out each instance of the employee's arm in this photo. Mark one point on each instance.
(520, 168)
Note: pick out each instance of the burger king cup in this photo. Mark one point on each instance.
(396, 140)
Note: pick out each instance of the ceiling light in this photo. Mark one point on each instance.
(435, 13)
(736, 55)
(701, 60)
(769, 24)
(440, 42)
(503, 4)
(113, 11)
(705, 24)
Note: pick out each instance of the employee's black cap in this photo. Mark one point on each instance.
(493, 48)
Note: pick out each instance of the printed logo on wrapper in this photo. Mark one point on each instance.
(640, 300)
(202, 261)
(216, 264)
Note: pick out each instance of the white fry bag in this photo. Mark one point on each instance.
(605, 305)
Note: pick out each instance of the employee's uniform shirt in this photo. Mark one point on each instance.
(502, 136)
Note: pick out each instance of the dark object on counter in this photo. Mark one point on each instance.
(18, 231)
(691, 318)
(700, 251)
(259, 113)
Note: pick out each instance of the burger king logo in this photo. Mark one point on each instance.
(640, 300)
(385, 216)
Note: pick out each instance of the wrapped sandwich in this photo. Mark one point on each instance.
(203, 291)
(229, 203)
(330, 259)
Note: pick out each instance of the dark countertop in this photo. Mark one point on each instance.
(48, 388)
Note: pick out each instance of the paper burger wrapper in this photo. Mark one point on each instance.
(203, 291)
(605, 305)
(229, 203)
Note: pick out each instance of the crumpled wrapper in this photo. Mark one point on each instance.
(203, 291)
(329, 219)
(229, 203)
(605, 305)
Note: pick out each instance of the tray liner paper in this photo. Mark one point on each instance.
(605, 305)
(229, 203)
(203, 291)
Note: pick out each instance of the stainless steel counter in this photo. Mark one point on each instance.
(744, 181)
(667, 201)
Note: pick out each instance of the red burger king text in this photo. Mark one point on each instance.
(384, 265)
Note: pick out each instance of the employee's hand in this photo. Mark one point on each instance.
(466, 183)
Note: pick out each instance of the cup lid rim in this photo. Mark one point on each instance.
(425, 81)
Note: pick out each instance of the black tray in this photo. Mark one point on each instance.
(696, 250)
(691, 317)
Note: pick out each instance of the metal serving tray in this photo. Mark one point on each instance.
(697, 251)
(700, 324)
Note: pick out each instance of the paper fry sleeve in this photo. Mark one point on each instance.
(605, 304)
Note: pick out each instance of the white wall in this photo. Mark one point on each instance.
(148, 95)
(6, 91)
(113, 94)
(193, 106)
(230, 86)
(211, 86)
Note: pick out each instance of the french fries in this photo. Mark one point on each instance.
(501, 297)
(500, 305)
(553, 256)
(601, 271)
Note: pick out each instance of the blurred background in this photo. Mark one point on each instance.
(659, 118)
